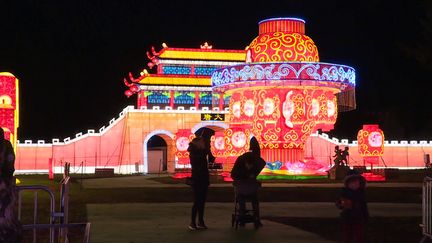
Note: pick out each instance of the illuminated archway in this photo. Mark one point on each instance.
(5, 101)
(165, 135)
(214, 125)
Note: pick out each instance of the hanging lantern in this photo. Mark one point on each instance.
(371, 143)
(128, 93)
(134, 88)
(237, 140)
(217, 146)
(182, 139)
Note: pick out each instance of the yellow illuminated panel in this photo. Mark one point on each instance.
(204, 55)
(13, 135)
(154, 80)
(16, 114)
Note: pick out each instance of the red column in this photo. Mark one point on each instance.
(221, 101)
(197, 94)
(50, 169)
(144, 100)
(172, 99)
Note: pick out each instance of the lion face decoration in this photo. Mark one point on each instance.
(236, 109)
(238, 139)
(269, 106)
(288, 109)
(315, 107)
(249, 108)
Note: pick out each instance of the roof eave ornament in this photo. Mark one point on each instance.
(206, 46)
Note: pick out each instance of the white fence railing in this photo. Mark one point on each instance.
(427, 208)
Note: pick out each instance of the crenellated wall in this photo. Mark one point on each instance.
(401, 154)
(122, 144)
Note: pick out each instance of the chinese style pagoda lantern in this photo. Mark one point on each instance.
(371, 143)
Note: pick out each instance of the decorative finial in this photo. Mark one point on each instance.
(164, 45)
(206, 46)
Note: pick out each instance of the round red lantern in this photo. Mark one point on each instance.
(128, 93)
(134, 88)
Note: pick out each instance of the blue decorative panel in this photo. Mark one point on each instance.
(206, 100)
(158, 98)
(184, 99)
(227, 100)
(205, 71)
(176, 70)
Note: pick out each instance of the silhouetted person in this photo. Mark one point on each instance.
(354, 208)
(344, 156)
(199, 181)
(339, 156)
(10, 228)
(244, 173)
(7, 158)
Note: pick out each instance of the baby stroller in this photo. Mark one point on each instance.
(245, 191)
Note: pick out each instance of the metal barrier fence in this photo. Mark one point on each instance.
(56, 219)
(86, 226)
(427, 208)
(35, 190)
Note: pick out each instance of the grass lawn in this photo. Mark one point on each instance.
(219, 180)
(77, 209)
(379, 230)
(415, 175)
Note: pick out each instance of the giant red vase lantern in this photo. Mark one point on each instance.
(371, 143)
(283, 93)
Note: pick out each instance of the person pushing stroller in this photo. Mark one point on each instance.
(244, 173)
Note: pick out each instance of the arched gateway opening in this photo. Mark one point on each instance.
(158, 153)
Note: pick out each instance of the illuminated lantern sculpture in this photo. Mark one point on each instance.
(217, 146)
(283, 93)
(182, 139)
(9, 106)
(371, 143)
(236, 141)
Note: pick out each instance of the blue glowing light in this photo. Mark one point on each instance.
(282, 18)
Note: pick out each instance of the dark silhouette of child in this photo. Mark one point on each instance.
(354, 214)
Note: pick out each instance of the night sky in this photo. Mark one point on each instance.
(71, 56)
